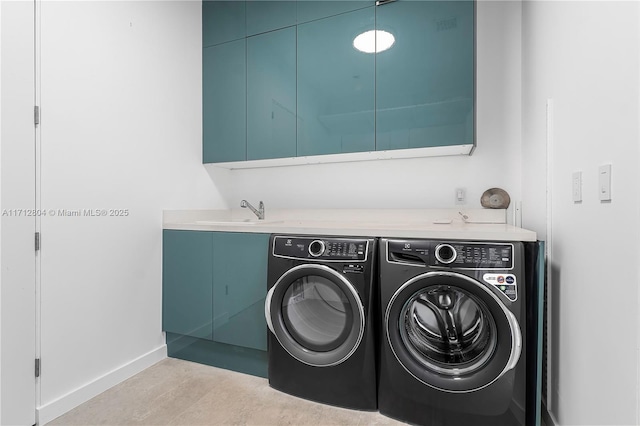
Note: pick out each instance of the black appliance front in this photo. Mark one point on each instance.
(319, 311)
(452, 333)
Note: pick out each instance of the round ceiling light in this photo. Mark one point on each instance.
(374, 41)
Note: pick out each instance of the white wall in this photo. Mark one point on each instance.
(585, 56)
(120, 93)
(121, 126)
(419, 183)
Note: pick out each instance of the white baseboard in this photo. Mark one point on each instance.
(65, 403)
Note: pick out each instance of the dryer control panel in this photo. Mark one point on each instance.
(321, 248)
(453, 254)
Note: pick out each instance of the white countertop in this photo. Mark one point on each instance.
(481, 224)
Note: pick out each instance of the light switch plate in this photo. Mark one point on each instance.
(577, 187)
(461, 196)
(604, 182)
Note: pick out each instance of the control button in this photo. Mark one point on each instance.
(316, 248)
(445, 253)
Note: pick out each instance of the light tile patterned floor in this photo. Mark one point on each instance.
(176, 392)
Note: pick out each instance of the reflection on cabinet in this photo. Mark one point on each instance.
(425, 82)
(239, 289)
(336, 86)
(224, 102)
(187, 283)
(223, 21)
(214, 286)
(306, 91)
(271, 95)
(264, 16)
(311, 10)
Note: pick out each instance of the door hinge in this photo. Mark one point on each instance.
(37, 241)
(37, 367)
(36, 115)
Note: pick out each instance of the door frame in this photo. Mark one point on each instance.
(18, 199)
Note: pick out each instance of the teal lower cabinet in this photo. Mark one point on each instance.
(186, 283)
(239, 289)
(214, 286)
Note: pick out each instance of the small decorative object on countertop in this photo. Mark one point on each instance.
(495, 198)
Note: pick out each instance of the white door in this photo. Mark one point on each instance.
(18, 222)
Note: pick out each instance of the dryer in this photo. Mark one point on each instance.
(452, 332)
(319, 311)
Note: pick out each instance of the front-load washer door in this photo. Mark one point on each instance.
(316, 315)
(452, 333)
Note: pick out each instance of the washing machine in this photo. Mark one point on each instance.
(453, 330)
(319, 310)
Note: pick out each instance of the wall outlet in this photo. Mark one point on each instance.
(461, 196)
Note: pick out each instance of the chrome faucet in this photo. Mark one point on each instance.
(258, 212)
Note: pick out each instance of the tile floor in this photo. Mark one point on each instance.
(176, 392)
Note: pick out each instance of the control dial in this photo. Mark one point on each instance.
(445, 253)
(316, 248)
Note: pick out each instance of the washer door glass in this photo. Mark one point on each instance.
(448, 330)
(451, 332)
(316, 315)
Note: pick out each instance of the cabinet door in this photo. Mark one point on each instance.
(271, 95)
(311, 10)
(425, 81)
(223, 21)
(240, 287)
(224, 102)
(187, 288)
(336, 85)
(263, 16)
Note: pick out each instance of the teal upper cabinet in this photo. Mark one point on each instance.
(425, 81)
(336, 85)
(286, 79)
(187, 279)
(310, 10)
(224, 102)
(222, 21)
(265, 15)
(271, 94)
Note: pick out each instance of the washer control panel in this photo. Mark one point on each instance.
(452, 254)
(320, 248)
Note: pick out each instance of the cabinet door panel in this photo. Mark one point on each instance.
(311, 10)
(336, 86)
(425, 81)
(240, 287)
(271, 95)
(263, 16)
(224, 102)
(187, 283)
(222, 21)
